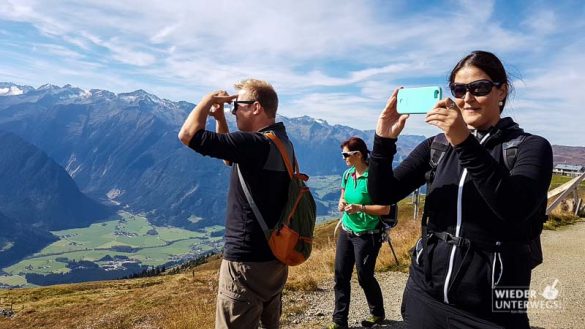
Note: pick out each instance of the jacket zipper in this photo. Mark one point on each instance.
(458, 228)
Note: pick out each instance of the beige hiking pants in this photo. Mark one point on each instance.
(249, 294)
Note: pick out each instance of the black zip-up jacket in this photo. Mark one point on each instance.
(267, 181)
(491, 204)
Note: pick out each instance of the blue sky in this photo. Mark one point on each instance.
(330, 59)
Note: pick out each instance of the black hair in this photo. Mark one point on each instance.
(490, 64)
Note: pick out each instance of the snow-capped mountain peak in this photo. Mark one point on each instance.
(11, 91)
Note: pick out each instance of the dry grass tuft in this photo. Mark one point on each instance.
(319, 266)
(558, 218)
(563, 214)
(177, 301)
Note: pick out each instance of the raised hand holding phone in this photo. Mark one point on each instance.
(390, 123)
(447, 116)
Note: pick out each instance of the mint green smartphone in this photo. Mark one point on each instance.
(418, 100)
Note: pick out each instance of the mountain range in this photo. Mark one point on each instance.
(123, 148)
(64, 147)
(72, 156)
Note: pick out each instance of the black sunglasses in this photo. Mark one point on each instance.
(346, 155)
(235, 108)
(476, 88)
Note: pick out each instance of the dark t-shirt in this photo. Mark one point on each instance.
(244, 240)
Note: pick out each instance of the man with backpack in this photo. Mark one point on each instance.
(251, 279)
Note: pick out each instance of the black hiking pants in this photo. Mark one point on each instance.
(361, 251)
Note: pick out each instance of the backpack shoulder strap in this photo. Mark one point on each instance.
(284, 154)
(253, 205)
(510, 150)
(439, 147)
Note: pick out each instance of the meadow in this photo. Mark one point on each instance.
(127, 239)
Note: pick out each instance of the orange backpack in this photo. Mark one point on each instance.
(291, 239)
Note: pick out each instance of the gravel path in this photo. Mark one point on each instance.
(563, 250)
(563, 260)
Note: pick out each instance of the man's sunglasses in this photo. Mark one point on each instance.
(346, 155)
(235, 108)
(476, 88)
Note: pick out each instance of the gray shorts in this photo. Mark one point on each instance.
(249, 294)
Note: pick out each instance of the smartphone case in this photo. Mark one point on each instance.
(418, 100)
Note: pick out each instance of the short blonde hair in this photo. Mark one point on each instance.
(263, 92)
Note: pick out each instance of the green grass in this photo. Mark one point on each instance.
(558, 180)
(174, 234)
(213, 229)
(42, 265)
(13, 280)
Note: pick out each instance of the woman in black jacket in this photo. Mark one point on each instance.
(485, 204)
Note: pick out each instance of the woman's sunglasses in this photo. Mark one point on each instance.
(346, 155)
(235, 108)
(476, 88)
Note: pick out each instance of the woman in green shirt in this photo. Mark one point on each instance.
(359, 240)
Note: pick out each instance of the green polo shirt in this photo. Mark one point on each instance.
(356, 192)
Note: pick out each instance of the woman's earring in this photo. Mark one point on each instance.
(501, 103)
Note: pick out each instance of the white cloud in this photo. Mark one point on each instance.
(162, 35)
(58, 50)
(346, 56)
(551, 98)
(541, 21)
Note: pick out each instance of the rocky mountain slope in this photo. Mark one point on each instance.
(37, 196)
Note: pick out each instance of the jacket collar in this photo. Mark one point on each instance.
(505, 127)
(278, 126)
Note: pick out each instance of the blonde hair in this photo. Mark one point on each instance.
(263, 92)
